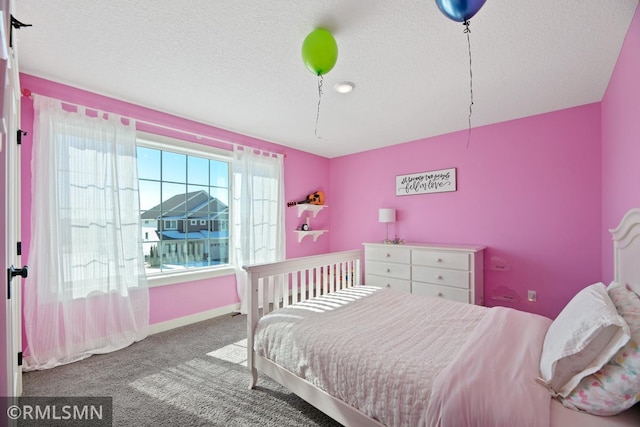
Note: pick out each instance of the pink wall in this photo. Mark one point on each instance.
(528, 189)
(304, 173)
(621, 141)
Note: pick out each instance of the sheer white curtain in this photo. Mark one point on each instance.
(86, 292)
(258, 213)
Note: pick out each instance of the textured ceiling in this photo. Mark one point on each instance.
(237, 64)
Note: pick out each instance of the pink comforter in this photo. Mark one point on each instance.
(491, 381)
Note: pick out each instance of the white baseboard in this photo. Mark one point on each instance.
(193, 318)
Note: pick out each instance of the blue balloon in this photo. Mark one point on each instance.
(460, 10)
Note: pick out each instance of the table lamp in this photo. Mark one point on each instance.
(387, 215)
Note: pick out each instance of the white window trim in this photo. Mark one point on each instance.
(181, 276)
(160, 142)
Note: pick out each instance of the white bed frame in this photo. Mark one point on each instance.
(311, 276)
(626, 250)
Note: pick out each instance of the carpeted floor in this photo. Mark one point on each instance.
(191, 376)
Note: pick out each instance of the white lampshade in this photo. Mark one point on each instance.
(387, 215)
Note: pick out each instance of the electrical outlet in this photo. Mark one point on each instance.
(531, 296)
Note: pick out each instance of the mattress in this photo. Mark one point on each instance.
(409, 360)
(381, 355)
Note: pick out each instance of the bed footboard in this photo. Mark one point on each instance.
(279, 284)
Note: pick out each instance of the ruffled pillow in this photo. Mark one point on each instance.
(615, 387)
(584, 336)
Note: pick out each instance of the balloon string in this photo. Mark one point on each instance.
(467, 31)
(320, 79)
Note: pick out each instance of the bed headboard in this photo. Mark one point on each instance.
(626, 250)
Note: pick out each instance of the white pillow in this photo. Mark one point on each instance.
(585, 335)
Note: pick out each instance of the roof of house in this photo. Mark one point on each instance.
(196, 204)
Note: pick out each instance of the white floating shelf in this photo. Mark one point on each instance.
(309, 207)
(314, 233)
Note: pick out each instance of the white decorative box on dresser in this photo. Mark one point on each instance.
(454, 272)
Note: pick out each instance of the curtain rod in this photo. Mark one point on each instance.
(28, 93)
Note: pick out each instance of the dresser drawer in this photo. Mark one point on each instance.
(387, 282)
(389, 269)
(445, 292)
(388, 254)
(441, 276)
(457, 261)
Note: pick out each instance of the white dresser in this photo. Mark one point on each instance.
(454, 272)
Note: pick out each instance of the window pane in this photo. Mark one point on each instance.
(150, 236)
(221, 194)
(195, 251)
(198, 200)
(148, 163)
(149, 194)
(174, 167)
(219, 250)
(174, 197)
(198, 170)
(150, 220)
(219, 173)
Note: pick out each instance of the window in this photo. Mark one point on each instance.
(179, 181)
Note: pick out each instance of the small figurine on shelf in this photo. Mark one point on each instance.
(305, 226)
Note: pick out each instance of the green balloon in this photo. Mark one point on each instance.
(319, 51)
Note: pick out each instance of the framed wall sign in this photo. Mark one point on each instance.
(439, 181)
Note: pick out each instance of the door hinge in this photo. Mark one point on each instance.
(9, 277)
(20, 134)
(20, 359)
(18, 248)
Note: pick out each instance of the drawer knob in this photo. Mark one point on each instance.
(440, 294)
(438, 259)
(388, 270)
(439, 276)
(388, 285)
(388, 255)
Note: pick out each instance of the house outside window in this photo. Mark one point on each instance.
(184, 202)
